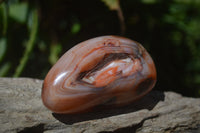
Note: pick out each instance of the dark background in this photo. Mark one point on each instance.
(34, 34)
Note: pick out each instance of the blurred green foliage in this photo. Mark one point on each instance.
(34, 34)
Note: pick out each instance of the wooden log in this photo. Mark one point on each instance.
(22, 110)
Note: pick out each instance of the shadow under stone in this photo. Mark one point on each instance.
(147, 102)
(35, 129)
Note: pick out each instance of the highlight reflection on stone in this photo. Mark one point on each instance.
(96, 71)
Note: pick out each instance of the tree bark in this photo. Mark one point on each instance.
(22, 110)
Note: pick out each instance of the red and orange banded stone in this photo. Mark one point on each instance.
(97, 70)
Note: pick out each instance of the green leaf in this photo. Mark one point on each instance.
(149, 1)
(18, 11)
(4, 12)
(2, 48)
(55, 50)
(75, 28)
(188, 1)
(112, 4)
(29, 45)
(4, 69)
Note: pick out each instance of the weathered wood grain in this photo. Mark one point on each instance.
(21, 110)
